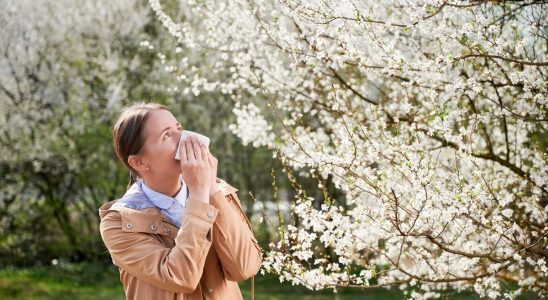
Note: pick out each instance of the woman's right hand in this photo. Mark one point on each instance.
(195, 168)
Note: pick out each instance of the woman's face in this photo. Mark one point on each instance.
(161, 134)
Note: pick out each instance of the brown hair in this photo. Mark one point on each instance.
(127, 133)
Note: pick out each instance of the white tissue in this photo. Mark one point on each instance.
(186, 133)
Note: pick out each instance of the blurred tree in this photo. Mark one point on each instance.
(65, 69)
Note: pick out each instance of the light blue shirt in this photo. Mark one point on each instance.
(139, 196)
(171, 208)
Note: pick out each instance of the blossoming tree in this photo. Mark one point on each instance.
(66, 69)
(430, 116)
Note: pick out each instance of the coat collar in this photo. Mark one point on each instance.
(148, 219)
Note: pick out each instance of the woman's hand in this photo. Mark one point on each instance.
(195, 168)
(213, 169)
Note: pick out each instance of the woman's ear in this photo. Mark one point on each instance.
(137, 163)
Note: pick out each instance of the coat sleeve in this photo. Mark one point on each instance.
(176, 269)
(238, 251)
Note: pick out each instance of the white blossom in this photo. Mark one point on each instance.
(426, 115)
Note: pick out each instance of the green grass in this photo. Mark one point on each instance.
(95, 281)
(71, 281)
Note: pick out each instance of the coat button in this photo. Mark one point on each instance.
(166, 229)
(153, 227)
(210, 290)
(129, 225)
(211, 214)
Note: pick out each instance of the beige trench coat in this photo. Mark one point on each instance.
(204, 259)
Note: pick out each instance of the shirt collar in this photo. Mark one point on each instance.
(164, 201)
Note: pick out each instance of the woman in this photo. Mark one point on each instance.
(179, 232)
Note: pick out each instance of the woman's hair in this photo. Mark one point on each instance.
(127, 133)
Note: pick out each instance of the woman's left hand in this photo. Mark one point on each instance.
(213, 163)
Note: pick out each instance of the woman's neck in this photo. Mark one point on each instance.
(166, 185)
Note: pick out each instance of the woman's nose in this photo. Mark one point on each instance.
(178, 135)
